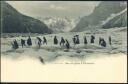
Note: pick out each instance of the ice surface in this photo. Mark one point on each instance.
(52, 52)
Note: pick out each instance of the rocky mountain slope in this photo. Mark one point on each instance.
(117, 20)
(100, 13)
(15, 22)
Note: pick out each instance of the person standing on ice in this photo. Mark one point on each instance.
(74, 40)
(55, 40)
(44, 40)
(92, 38)
(62, 41)
(23, 42)
(29, 41)
(67, 44)
(39, 41)
(100, 40)
(15, 44)
(103, 43)
(77, 39)
(110, 40)
(85, 40)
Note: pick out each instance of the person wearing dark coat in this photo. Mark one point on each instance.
(62, 41)
(100, 40)
(29, 41)
(77, 39)
(103, 43)
(44, 40)
(92, 39)
(110, 40)
(85, 40)
(23, 42)
(55, 40)
(39, 41)
(67, 44)
(74, 40)
(15, 45)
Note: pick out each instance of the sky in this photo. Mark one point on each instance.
(70, 9)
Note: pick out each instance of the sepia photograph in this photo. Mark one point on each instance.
(64, 41)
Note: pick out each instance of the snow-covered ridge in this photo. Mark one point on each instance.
(113, 16)
(59, 24)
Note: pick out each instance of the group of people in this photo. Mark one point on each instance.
(29, 42)
(15, 44)
(40, 41)
(63, 42)
(102, 42)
